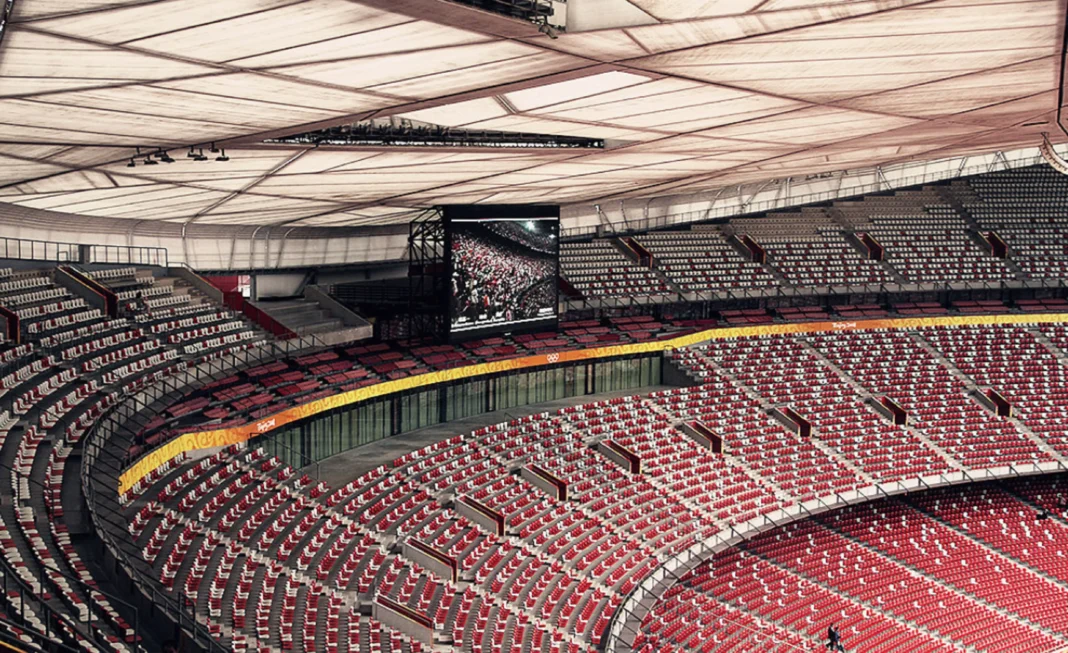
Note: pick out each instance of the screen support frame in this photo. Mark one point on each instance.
(428, 278)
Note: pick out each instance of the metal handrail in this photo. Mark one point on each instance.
(42, 641)
(173, 607)
(30, 249)
(128, 255)
(26, 595)
(814, 293)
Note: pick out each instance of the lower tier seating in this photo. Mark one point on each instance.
(241, 538)
(959, 569)
(226, 525)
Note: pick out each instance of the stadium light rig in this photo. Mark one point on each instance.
(163, 156)
(387, 133)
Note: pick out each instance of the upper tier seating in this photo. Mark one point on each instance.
(924, 238)
(822, 260)
(703, 261)
(936, 235)
(809, 221)
(927, 236)
(1028, 208)
(597, 269)
(809, 249)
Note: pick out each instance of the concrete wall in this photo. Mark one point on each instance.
(277, 285)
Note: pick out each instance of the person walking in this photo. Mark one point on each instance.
(834, 639)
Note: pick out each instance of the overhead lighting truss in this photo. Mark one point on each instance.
(406, 133)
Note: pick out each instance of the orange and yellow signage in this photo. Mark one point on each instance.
(223, 437)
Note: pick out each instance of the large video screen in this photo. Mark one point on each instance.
(503, 269)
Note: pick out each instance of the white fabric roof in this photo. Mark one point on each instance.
(717, 93)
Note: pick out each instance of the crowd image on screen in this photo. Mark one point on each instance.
(503, 272)
(527, 233)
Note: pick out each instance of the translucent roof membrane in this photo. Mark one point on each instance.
(699, 94)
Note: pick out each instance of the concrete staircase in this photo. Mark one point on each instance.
(1049, 344)
(304, 316)
(853, 217)
(183, 287)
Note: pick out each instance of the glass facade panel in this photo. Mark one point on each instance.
(326, 435)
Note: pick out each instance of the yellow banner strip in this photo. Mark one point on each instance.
(209, 439)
